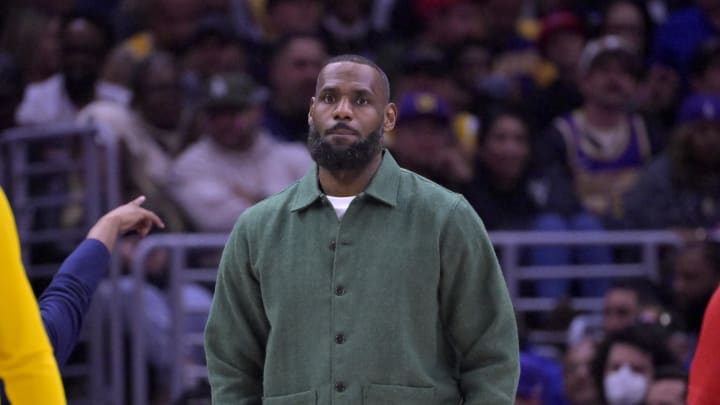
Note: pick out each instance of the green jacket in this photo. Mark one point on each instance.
(400, 302)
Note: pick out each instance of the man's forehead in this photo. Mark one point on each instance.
(354, 75)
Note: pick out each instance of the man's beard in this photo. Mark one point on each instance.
(350, 157)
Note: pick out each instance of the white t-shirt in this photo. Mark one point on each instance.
(340, 204)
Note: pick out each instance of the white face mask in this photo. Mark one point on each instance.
(625, 387)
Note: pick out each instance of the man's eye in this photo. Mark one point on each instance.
(327, 98)
(361, 101)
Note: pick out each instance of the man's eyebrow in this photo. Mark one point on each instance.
(363, 91)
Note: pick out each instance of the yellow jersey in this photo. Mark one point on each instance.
(27, 364)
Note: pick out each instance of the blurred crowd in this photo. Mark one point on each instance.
(544, 114)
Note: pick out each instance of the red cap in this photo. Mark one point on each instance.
(558, 21)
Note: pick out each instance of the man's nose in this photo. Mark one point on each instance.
(343, 110)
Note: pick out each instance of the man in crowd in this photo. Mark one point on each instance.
(237, 163)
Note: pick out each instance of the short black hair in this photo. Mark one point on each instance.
(352, 58)
(644, 289)
(99, 21)
(138, 79)
(493, 113)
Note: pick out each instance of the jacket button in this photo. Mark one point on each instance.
(332, 244)
(339, 338)
(339, 290)
(339, 387)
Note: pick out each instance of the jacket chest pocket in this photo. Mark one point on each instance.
(377, 394)
(300, 398)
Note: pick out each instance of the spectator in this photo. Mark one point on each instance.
(658, 91)
(346, 27)
(560, 42)
(502, 21)
(214, 48)
(680, 189)
(424, 141)
(704, 68)
(449, 23)
(170, 26)
(236, 163)
(669, 387)
(696, 275)
(85, 41)
(502, 190)
(630, 21)
(424, 68)
(471, 69)
(292, 17)
(516, 58)
(148, 133)
(626, 363)
(294, 66)
(23, 23)
(600, 146)
(703, 388)
(626, 302)
(578, 385)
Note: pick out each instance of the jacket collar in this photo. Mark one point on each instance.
(383, 186)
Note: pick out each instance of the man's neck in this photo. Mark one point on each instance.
(346, 183)
(602, 117)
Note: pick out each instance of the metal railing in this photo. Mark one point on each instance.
(181, 271)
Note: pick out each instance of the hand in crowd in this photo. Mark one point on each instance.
(125, 218)
(452, 162)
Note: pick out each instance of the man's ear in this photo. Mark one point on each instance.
(310, 111)
(391, 113)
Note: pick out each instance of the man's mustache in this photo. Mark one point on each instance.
(342, 126)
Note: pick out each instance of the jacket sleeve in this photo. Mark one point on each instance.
(26, 358)
(477, 312)
(65, 302)
(237, 329)
(703, 388)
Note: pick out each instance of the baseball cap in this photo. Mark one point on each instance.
(232, 90)
(609, 46)
(558, 21)
(424, 59)
(699, 107)
(422, 104)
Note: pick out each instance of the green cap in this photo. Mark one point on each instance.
(232, 90)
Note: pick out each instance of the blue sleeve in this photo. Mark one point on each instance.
(65, 302)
